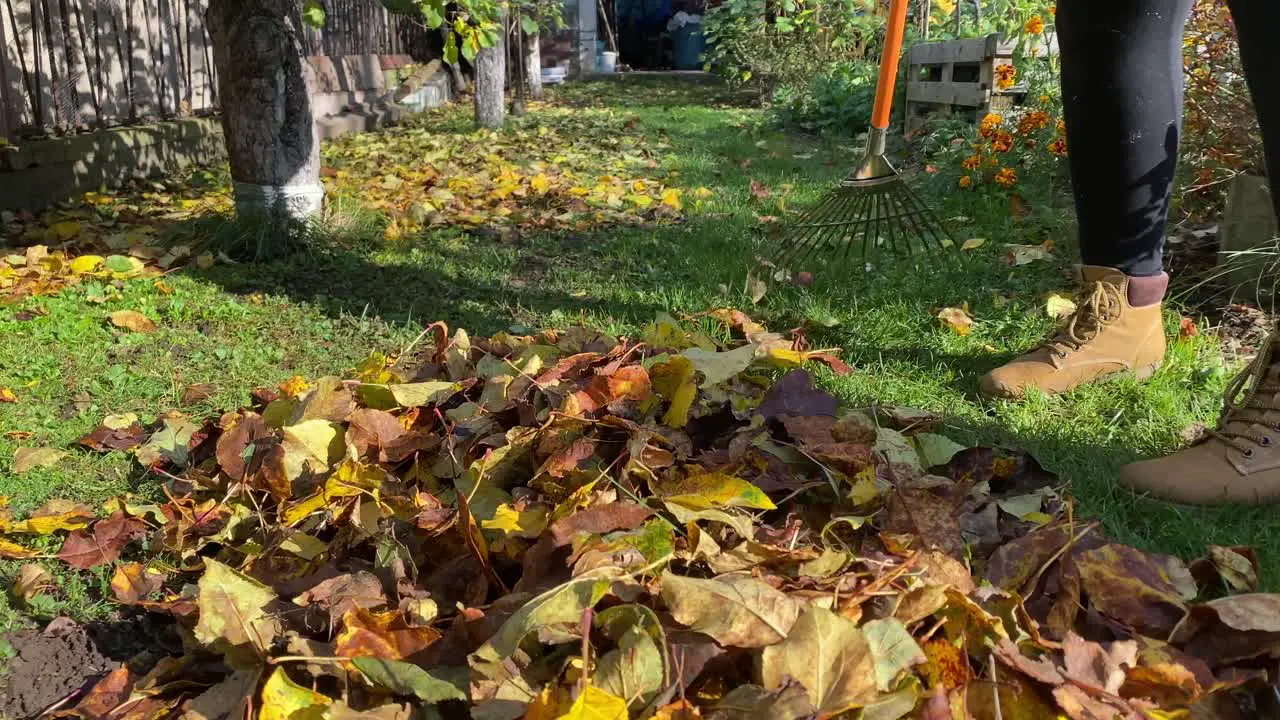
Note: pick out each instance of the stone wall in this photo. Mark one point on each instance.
(38, 173)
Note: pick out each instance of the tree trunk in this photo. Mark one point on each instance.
(533, 64)
(265, 93)
(491, 76)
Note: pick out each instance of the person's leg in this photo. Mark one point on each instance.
(1240, 461)
(1122, 96)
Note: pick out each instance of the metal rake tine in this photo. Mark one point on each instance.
(805, 234)
(873, 229)
(906, 213)
(932, 228)
(821, 234)
(892, 226)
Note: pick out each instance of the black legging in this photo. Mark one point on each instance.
(1122, 91)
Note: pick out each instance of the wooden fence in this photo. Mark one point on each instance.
(67, 65)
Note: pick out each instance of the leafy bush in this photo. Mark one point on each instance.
(839, 99)
(769, 44)
(1220, 130)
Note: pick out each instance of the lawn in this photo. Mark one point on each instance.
(321, 311)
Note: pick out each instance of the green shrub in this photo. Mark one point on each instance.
(839, 99)
(769, 44)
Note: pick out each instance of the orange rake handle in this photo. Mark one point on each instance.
(893, 34)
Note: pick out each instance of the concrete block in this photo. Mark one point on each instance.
(1248, 248)
(60, 168)
(364, 72)
(327, 76)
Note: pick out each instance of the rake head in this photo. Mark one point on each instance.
(873, 212)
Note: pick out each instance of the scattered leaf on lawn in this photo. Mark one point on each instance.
(1059, 306)
(32, 580)
(27, 458)
(957, 319)
(133, 321)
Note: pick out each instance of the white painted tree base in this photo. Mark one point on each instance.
(296, 202)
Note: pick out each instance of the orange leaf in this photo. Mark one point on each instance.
(385, 635)
(133, 582)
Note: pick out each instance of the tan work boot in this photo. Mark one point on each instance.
(1104, 336)
(1237, 463)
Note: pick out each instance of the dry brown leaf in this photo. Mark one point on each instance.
(133, 321)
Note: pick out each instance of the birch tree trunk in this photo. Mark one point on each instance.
(265, 92)
(533, 64)
(491, 75)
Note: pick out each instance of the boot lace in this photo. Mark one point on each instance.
(1252, 410)
(1099, 306)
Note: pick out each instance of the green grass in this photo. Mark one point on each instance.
(246, 325)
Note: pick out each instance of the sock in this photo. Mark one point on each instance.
(1144, 291)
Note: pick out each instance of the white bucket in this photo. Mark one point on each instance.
(608, 62)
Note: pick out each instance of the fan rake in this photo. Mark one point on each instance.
(873, 210)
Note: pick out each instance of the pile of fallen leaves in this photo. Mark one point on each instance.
(680, 525)
(561, 169)
(104, 237)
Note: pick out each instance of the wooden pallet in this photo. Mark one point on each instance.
(957, 76)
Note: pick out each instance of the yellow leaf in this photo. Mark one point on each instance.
(973, 243)
(671, 198)
(714, 490)
(674, 381)
(321, 439)
(865, 487)
(702, 193)
(295, 385)
(133, 321)
(597, 704)
(1058, 306)
(6, 395)
(957, 319)
(786, 357)
(86, 264)
(540, 183)
(517, 523)
(65, 230)
(283, 699)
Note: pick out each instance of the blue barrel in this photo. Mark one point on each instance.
(687, 44)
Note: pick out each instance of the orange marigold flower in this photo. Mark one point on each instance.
(1006, 75)
(1044, 99)
(1002, 142)
(965, 181)
(1007, 177)
(1058, 147)
(1035, 25)
(989, 124)
(1033, 121)
(1053, 10)
(1061, 127)
(972, 162)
